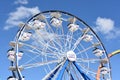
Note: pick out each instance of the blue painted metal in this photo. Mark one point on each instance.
(52, 75)
(82, 73)
(71, 77)
(60, 75)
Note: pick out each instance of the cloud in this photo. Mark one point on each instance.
(20, 14)
(21, 2)
(106, 26)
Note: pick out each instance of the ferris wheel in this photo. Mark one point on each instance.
(56, 45)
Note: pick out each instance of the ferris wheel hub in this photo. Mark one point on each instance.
(71, 55)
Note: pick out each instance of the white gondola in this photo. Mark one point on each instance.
(15, 79)
(37, 25)
(73, 27)
(87, 38)
(56, 22)
(56, 14)
(23, 78)
(12, 78)
(104, 70)
(13, 68)
(20, 54)
(11, 55)
(13, 44)
(85, 30)
(25, 36)
(27, 26)
(98, 52)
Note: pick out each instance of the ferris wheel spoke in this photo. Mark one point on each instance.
(31, 51)
(31, 59)
(57, 43)
(60, 75)
(52, 47)
(59, 30)
(62, 30)
(69, 39)
(80, 39)
(68, 70)
(41, 38)
(51, 51)
(86, 49)
(44, 44)
(87, 69)
(35, 49)
(37, 55)
(49, 55)
(75, 73)
(82, 51)
(31, 48)
(69, 74)
(49, 27)
(82, 73)
(52, 72)
(53, 56)
(39, 64)
(65, 75)
(76, 43)
(60, 43)
(41, 50)
(92, 60)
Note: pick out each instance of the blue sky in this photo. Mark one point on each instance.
(102, 15)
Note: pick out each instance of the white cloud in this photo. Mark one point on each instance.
(20, 14)
(21, 2)
(104, 25)
(107, 27)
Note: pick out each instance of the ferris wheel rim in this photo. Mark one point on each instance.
(67, 14)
